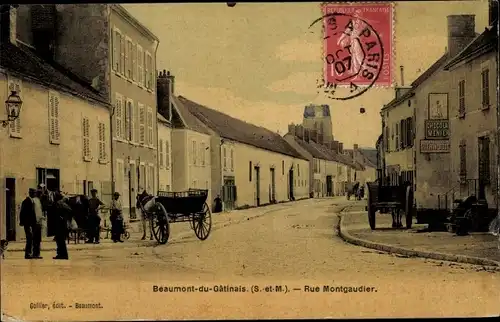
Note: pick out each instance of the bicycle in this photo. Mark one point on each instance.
(107, 228)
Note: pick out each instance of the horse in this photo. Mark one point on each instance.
(141, 201)
(79, 205)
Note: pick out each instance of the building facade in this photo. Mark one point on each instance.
(252, 166)
(164, 154)
(473, 119)
(61, 138)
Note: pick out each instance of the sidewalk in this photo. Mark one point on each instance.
(476, 248)
(178, 231)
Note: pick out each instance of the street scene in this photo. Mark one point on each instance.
(164, 161)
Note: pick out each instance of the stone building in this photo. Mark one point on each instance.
(317, 117)
(473, 118)
(61, 138)
(121, 67)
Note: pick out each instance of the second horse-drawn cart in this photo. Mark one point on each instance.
(396, 199)
(185, 206)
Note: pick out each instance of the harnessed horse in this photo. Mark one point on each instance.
(142, 201)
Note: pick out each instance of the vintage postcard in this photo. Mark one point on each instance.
(237, 160)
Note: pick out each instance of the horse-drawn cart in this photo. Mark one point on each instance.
(185, 206)
(390, 198)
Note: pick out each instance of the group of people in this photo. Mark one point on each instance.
(59, 212)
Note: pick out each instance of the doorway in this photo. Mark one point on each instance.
(484, 166)
(10, 208)
(290, 184)
(257, 186)
(272, 193)
(329, 186)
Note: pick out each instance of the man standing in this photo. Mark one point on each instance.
(116, 218)
(30, 222)
(94, 220)
(62, 214)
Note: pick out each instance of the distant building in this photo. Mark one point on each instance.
(61, 138)
(164, 154)
(318, 118)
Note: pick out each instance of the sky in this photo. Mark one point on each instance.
(260, 62)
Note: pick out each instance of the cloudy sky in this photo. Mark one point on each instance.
(260, 62)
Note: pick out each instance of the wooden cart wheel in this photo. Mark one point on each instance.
(409, 207)
(202, 223)
(160, 224)
(371, 211)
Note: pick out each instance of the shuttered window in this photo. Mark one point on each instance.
(103, 153)
(386, 139)
(202, 154)
(142, 124)
(231, 158)
(140, 66)
(484, 160)
(404, 140)
(15, 126)
(463, 161)
(147, 68)
(396, 137)
(167, 154)
(86, 138)
(150, 126)
(485, 76)
(116, 50)
(461, 98)
(225, 157)
(128, 59)
(160, 153)
(54, 134)
(122, 54)
(129, 120)
(118, 116)
(193, 152)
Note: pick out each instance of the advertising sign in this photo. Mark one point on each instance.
(437, 129)
(434, 146)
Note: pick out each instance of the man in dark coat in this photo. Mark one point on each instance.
(62, 213)
(31, 227)
(116, 218)
(217, 204)
(94, 221)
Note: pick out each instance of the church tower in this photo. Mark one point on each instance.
(317, 117)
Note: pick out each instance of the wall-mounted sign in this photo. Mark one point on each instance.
(434, 146)
(437, 129)
(438, 106)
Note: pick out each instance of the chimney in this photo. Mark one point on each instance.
(164, 92)
(44, 29)
(341, 148)
(461, 31)
(492, 12)
(335, 146)
(7, 23)
(307, 135)
(291, 129)
(355, 147)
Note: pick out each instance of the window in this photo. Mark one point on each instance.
(225, 158)
(142, 177)
(140, 65)
(250, 171)
(150, 126)
(461, 98)
(118, 116)
(463, 161)
(409, 132)
(116, 50)
(167, 154)
(282, 167)
(151, 178)
(298, 170)
(193, 152)
(386, 139)
(486, 88)
(86, 138)
(103, 155)
(404, 140)
(133, 65)
(130, 121)
(484, 160)
(54, 134)
(122, 55)
(147, 70)
(160, 153)
(15, 126)
(128, 59)
(396, 137)
(142, 124)
(231, 159)
(202, 154)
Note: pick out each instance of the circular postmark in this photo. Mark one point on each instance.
(352, 55)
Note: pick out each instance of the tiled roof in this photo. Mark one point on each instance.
(422, 78)
(322, 152)
(484, 43)
(24, 61)
(237, 130)
(371, 156)
(190, 121)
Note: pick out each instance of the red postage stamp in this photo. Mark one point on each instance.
(358, 44)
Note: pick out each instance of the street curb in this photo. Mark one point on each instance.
(181, 236)
(344, 234)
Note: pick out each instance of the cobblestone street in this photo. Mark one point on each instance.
(293, 246)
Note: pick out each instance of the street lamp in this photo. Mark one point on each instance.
(13, 106)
